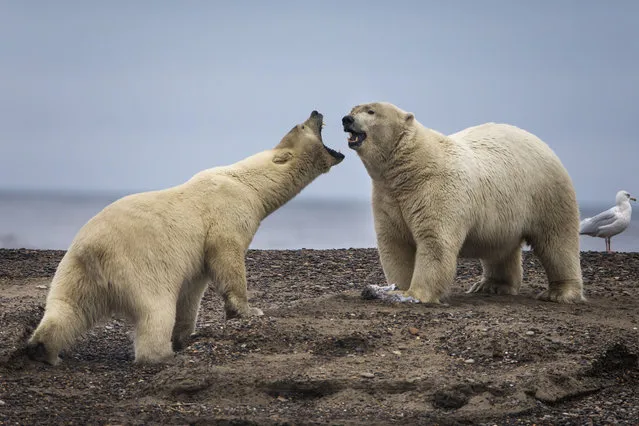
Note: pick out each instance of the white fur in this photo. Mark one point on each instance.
(478, 193)
(150, 256)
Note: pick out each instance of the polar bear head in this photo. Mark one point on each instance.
(303, 144)
(375, 128)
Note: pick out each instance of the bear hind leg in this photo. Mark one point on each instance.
(70, 311)
(559, 256)
(500, 276)
(153, 330)
(60, 326)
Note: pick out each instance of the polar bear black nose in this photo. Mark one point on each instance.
(347, 119)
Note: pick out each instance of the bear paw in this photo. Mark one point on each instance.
(493, 287)
(246, 313)
(38, 352)
(181, 342)
(562, 296)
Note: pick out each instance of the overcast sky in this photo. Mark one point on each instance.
(129, 96)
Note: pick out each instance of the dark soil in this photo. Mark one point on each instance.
(323, 355)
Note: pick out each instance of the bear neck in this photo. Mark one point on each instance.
(274, 185)
(418, 152)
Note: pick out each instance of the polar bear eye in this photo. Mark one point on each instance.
(371, 112)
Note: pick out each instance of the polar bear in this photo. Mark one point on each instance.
(149, 256)
(479, 193)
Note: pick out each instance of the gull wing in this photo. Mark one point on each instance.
(591, 225)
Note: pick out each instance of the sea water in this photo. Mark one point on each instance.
(51, 220)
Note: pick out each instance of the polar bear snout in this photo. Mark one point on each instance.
(316, 121)
(356, 137)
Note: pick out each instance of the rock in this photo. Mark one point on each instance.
(414, 331)
(42, 286)
(367, 375)
(469, 361)
(530, 333)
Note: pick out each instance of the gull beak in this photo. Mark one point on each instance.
(633, 199)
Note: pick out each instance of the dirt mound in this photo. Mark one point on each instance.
(616, 359)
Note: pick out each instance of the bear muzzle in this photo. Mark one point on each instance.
(356, 138)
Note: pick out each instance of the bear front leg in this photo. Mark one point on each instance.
(397, 258)
(394, 244)
(435, 268)
(228, 272)
(154, 325)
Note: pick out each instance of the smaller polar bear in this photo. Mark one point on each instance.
(479, 193)
(149, 256)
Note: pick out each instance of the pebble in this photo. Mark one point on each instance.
(414, 331)
(530, 333)
(367, 375)
(469, 361)
(2, 402)
(42, 286)
(398, 353)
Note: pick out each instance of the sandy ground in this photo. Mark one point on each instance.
(323, 355)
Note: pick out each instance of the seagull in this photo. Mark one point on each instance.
(613, 221)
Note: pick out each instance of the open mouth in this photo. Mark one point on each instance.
(335, 154)
(319, 119)
(355, 139)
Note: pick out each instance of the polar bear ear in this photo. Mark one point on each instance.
(409, 117)
(282, 157)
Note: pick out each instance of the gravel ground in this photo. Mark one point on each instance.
(323, 355)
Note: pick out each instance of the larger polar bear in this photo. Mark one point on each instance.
(479, 193)
(149, 256)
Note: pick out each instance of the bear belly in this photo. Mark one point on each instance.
(475, 247)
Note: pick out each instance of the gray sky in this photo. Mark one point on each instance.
(128, 96)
